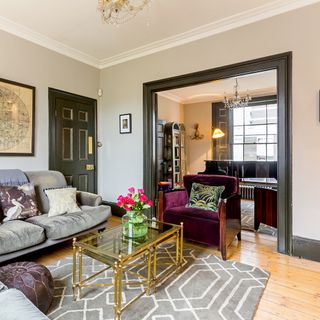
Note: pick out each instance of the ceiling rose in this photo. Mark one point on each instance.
(120, 11)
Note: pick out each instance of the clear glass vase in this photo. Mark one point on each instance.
(134, 224)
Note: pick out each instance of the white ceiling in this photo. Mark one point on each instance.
(74, 27)
(257, 84)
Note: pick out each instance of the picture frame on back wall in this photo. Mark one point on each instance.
(17, 118)
(125, 123)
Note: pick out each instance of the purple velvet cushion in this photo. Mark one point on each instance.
(175, 199)
(231, 184)
(192, 212)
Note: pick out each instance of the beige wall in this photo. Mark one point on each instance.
(169, 110)
(121, 157)
(25, 62)
(121, 160)
(198, 150)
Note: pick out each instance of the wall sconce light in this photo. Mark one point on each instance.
(217, 133)
(196, 135)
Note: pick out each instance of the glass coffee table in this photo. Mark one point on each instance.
(121, 254)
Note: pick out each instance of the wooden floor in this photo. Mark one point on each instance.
(293, 290)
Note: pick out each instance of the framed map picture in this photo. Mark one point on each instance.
(17, 112)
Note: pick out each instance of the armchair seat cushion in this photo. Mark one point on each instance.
(192, 212)
(62, 226)
(203, 228)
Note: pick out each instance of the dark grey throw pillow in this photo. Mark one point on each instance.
(18, 202)
(205, 197)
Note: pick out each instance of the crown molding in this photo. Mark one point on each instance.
(212, 97)
(46, 42)
(170, 96)
(247, 17)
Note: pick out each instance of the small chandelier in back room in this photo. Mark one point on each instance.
(120, 11)
(236, 101)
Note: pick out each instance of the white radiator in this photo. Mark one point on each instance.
(247, 191)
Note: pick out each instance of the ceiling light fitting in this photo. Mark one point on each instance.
(236, 101)
(120, 11)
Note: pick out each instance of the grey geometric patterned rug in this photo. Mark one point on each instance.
(206, 288)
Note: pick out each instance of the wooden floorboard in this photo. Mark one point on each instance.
(292, 292)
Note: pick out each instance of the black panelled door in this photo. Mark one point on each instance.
(73, 138)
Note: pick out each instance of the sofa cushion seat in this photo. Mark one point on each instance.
(16, 235)
(192, 212)
(62, 226)
(16, 306)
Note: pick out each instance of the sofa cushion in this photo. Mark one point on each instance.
(204, 196)
(16, 306)
(62, 200)
(58, 227)
(45, 180)
(16, 235)
(192, 212)
(18, 202)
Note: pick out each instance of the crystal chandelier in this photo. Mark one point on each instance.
(120, 11)
(236, 101)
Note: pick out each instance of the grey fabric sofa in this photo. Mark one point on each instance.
(16, 306)
(19, 237)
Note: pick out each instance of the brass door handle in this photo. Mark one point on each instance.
(89, 167)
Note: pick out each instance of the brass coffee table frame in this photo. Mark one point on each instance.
(120, 264)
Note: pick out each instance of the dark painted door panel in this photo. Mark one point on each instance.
(72, 141)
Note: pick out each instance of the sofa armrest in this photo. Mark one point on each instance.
(88, 199)
(171, 199)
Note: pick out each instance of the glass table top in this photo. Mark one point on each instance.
(110, 244)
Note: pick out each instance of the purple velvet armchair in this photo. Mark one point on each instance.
(204, 226)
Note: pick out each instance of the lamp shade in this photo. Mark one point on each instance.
(217, 133)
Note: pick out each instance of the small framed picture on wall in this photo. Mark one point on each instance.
(125, 123)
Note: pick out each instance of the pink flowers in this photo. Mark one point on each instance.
(131, 189)
(134, 201)
(143, 198)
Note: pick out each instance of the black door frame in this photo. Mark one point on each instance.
(280, 62)
(52, 95)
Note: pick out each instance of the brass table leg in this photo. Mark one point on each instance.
(116, 289)
(154, 279)
(177, 249)
(74, 269)
(80, 273)
(149, 272)
(181, 245)
(119, 291)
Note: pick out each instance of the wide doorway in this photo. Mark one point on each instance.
(224, 127)
(256, 141)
